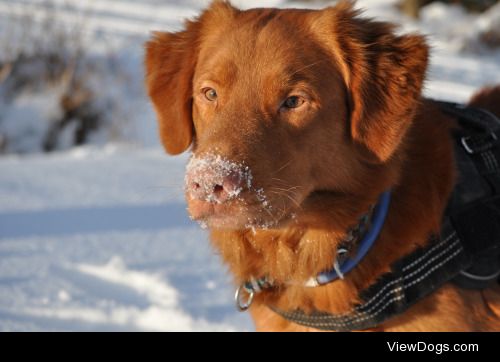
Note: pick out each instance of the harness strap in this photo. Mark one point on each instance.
(479, 226)
(410, 279)
(475, 118)
(474, 205)
(479, 140)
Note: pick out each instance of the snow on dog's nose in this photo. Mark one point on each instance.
(213, 179)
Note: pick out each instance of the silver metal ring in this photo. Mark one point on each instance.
(242, 304)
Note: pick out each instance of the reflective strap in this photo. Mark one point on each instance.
(411, 279)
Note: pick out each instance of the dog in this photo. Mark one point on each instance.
(298, 121)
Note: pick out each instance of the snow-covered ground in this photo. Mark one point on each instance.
(99, 240)
(97, 237)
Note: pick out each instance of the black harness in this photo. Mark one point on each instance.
(466, 253)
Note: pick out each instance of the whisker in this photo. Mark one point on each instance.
(275, 220)
(282, 167)
(294, 201)
(281, 182)
(283, 208)
(286, 190)
(288, 196)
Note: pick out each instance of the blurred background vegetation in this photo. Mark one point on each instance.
(63, 83)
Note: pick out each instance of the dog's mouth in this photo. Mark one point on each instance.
(246, 212)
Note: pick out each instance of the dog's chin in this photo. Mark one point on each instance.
(242, 222)
(238, 221)
(236, 216)
(226, 222)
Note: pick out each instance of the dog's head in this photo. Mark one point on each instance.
(280, 105)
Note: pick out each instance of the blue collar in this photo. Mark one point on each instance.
(376, 223)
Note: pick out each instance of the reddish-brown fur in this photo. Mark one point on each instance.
(363, 128)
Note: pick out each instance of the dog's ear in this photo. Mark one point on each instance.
(384, 74)
(170, 62)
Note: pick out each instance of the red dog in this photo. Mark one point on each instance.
(298, 120)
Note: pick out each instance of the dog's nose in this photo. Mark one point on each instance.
(208, 186)
(215, 180)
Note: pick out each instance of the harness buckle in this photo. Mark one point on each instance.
(467, 143)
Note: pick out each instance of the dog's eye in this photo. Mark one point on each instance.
(293, 102)
(210, 94)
